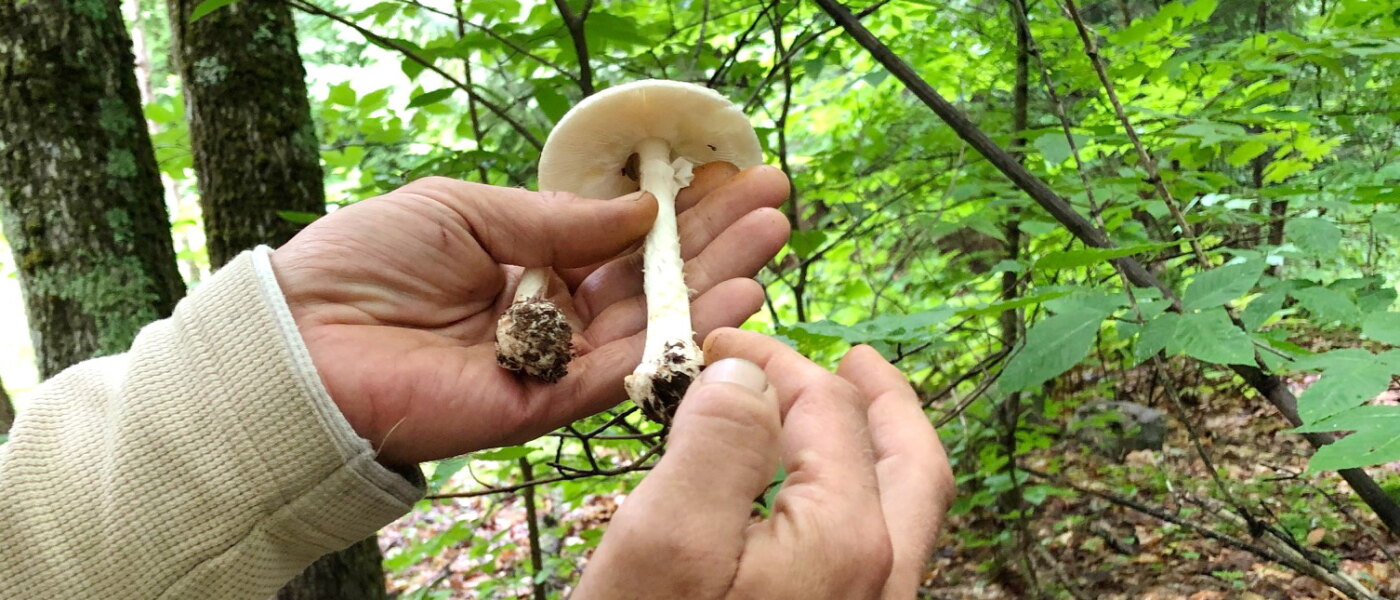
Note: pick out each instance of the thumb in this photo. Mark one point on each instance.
(722, 452)
(544, 229)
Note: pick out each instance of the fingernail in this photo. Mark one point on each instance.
(737, 371)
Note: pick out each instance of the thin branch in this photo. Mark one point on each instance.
(380, 40)
(739, 45)
(640, 464)
(574, 21)
(532, 524)
(471, 102)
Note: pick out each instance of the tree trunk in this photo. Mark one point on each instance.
(7, 411)
(254, 143)
(256, 154)
(355, 573)
(80, 194)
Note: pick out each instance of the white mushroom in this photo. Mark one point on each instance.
(649, 134)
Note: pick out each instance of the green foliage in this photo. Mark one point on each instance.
(208, 6)
(1280, 149)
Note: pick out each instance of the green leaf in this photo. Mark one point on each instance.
(206, 7)
(443, 471)
(506, 453)
(1317, 237)
(1343, 387)
(1092, 302)
(1386, 223)
(342, 94)
(1328, 306)
(1054, 147)
(1022, 302)
(298, 217)
(1260, 309)
(551, 102)
(375, 100)
(159, 113)
(1052, 346)
(1220, 285)
(1068, 259)
(804, 243)
(1210, 336)
(1375, 300)
(1382, 327)
(1211, 133)
(1246, 152)
(410, 67)
(1375, 441)
(432, 97)
(1155, 336)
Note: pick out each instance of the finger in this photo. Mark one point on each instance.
(705, 178)
(594, 382)
(721, 454)
(542, 229)
(827, 514)
(750, 190)
(681, 531)
(797, 372)
(740, 252)
(916, 484)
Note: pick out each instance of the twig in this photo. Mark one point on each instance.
(637, 465)
(471, 102)
(533, 527)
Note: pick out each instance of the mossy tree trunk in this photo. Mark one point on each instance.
(255, 148)
(256, 154)
(80, 194)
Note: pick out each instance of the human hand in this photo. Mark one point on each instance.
(397, 299)
(867, 485)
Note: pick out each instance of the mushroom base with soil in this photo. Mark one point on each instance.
(534, 338)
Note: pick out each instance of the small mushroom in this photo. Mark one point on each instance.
(648, 135)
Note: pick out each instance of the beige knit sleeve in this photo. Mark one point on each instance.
(207, 462)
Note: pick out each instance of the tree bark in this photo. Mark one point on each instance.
(355, 573)
(7, 411)
(256, 154)
(254, 143)
(80, 192)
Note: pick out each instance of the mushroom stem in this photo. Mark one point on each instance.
(532, 284)
(670, 358)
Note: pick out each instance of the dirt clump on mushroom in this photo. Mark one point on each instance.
(535, 339)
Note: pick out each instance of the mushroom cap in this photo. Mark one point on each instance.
(589, 148)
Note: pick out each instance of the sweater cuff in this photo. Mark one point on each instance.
(407, 483)
(333, 492)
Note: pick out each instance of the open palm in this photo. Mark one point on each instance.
(397, 299)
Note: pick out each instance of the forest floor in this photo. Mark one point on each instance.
(1079, 545)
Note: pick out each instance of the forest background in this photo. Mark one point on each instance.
(1037, 208)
